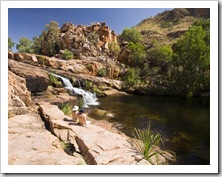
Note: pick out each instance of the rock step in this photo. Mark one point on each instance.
(97, 145)
(31, 144)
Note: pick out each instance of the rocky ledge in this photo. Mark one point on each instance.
(52, 138)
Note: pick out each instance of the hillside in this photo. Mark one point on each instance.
(169, 25)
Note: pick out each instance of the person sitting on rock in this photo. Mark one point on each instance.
(75, 112)
(82, 118)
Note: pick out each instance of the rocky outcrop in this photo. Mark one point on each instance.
(36, 79)
(19, 98)
(31, 144)
(86, 40)
(97, 145)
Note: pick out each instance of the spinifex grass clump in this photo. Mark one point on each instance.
(146, 141)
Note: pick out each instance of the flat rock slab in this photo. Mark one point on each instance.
(31, 144)
(97, 145)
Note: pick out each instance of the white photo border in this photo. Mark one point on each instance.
(214, 115)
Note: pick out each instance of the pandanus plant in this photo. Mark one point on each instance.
(145, 142)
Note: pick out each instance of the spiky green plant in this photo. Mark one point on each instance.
(146, 141)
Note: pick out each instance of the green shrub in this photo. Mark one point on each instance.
(67, 54)
(131, 35)
(102, 72)
(67, 109)
(93, 38)
(114, 48)
(25, 45)
(10, 44)
(137, 55)
(131, 77)
(89, 67)
(53, 80)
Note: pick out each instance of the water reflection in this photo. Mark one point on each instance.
(183, 123)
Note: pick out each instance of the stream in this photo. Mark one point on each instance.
(183, 123)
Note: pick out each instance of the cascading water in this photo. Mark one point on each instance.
(89, 99)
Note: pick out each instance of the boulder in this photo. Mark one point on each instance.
(10, 55)
(37, 79)
(123, 56)
(67, 27)
(19, 98)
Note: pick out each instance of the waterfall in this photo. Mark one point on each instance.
(79, 84)
(89, 99)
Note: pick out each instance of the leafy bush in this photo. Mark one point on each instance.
(53, 80)
(160, 56)
(10, 44)
(131, 77)
(131, 35)
(37, 44)
(137, 55)
(191, 60)
(67, 109)
(93, 38)
(102, 72)
(51, 36)
(25, 45)
(114, 48)
(89, 67)
(67, 54)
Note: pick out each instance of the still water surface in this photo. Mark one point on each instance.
(183, 123)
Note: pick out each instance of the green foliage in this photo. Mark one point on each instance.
(88, 84)
(67, 147)
(147, 142)
(114, 48)
(67, 54)
(25, 45)
(51, 38)
(89, 67)
(80, 101)
(205, 24)
(131, 77)
(10, 44)
(137, 55)
(192, 61)
(160, 56)
(102, 72)
(131, 35)
(66, 108)
(37, 44)
(93, 37)
(53, 80)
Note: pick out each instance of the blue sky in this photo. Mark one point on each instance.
(29, 22)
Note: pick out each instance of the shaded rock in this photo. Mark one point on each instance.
(123, 56)
(36, 79)
(18, 57)
(176, 34)
(10, 55)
